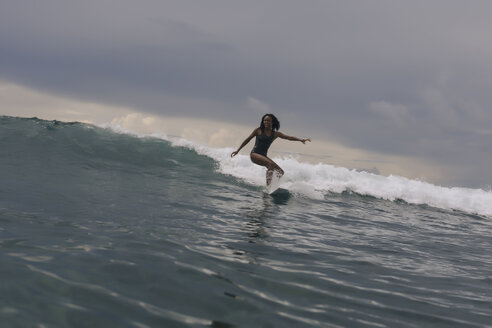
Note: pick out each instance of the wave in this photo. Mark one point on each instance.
(317, 180)
(80, 142)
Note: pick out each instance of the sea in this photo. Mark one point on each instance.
(101, 227)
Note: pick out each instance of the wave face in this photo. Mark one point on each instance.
(81, 144)
(319, 180)
(104, 228)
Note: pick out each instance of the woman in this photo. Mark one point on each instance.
(265, 134)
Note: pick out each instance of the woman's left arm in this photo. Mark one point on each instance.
(284, 136)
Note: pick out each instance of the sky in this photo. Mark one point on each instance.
(397, 87)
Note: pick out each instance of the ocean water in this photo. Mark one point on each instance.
(100, 228)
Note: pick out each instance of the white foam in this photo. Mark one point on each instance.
(316, 180)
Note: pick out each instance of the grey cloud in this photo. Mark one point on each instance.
(409, 78)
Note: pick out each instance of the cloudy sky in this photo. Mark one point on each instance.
(401, 82)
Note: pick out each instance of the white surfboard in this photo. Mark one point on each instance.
(274, 184)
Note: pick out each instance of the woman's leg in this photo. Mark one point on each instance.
(269, 164)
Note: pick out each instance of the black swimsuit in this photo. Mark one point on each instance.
(263, 142)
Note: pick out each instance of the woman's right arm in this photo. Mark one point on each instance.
(245, 142)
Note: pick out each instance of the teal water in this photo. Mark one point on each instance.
(103, 229)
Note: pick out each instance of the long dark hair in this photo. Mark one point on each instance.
(275, 122)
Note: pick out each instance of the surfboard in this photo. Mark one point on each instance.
(280, 196)
(274, 184)
(279, 191)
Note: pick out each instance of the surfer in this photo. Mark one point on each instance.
(265, 135)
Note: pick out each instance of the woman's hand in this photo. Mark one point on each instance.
(304, 140)
(234, 153)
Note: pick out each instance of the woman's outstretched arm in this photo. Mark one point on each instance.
(245, 142)
(284, 136)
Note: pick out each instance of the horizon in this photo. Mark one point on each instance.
(208, 133)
